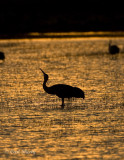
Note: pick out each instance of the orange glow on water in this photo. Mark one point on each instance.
(32, 123)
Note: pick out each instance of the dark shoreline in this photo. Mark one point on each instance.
(62, 35)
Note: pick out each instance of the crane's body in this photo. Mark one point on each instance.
(62, 90)
(113, 49)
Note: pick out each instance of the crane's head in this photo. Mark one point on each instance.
(45, 75)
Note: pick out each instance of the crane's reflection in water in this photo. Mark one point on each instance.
(34, 126)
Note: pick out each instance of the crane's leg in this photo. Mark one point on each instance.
(62, 106)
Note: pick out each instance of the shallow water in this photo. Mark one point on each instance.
(32, 124)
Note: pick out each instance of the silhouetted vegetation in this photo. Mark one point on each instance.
(54, 16)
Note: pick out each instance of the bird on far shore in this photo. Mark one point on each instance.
(62, 90)
(2, 56)
(113, 49)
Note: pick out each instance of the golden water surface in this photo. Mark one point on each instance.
(32, 123)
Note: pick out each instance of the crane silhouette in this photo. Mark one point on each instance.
(113, 49)
(2, 56)
(62, 90)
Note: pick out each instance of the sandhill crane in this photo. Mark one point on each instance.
(62, 90)
(2, 56)
(113, 49)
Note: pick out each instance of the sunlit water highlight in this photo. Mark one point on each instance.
(32, 124)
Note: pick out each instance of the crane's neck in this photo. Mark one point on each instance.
(45, 86)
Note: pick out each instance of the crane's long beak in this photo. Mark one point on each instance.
(42, 71)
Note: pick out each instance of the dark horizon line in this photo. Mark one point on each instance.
(63, 34)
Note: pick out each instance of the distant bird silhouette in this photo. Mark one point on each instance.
(2, 56)
(113, 49)
(62, 90)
